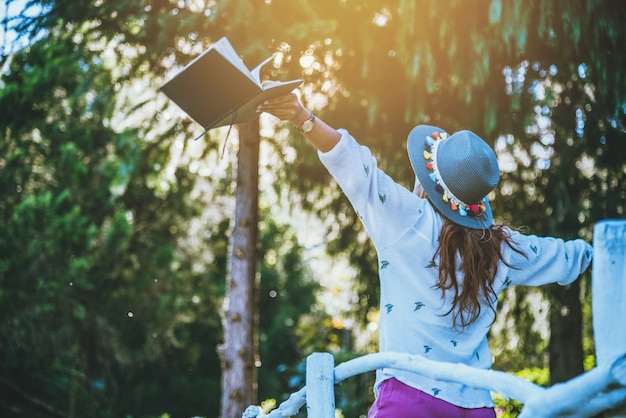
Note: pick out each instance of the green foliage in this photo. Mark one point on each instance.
(92, 266)
(287, 292)
(102, 258)
(512, 408)
(110, 302)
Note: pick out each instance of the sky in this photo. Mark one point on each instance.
(9, 42)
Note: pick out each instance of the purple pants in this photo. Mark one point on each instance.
(397, 400)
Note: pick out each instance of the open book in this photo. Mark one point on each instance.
(217, 89)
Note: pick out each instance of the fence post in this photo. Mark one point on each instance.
(609, 293)
(320, 386)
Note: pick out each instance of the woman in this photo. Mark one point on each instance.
(442, 261)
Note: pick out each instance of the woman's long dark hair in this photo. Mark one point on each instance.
(480, 253)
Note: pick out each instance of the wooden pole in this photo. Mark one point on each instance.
(609, 294)
(239, 351)
(320, 385)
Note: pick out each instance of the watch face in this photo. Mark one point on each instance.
(307, 126)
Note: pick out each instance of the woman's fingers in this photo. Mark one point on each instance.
(285, 107)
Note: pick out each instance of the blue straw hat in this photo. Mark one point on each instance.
(457, 172)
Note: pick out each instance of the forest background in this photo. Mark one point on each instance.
(115, 224)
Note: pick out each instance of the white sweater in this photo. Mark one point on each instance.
(405, 229)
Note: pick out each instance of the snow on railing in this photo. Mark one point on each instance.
(601, 389)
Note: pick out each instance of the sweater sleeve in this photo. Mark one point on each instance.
(548, 260)
(386, 208)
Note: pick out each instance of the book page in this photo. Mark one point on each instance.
(225, 49)
(271, 84)
(256, 71)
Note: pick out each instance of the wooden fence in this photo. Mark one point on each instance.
(602, 389)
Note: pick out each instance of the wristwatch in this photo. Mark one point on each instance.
(308, 124)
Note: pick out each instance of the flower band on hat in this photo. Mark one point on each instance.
(431, 145)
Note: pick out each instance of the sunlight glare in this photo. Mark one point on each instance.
(382, 18)
(307, 61)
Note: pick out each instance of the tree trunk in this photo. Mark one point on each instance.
(239, 351)
(566, 347)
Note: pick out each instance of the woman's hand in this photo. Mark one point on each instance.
(286, 107)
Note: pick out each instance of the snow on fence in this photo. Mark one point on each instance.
(600, 389)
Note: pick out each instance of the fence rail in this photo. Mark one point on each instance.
(601, 389)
